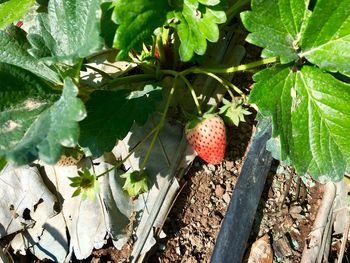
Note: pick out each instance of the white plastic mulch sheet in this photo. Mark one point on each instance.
(52, 224)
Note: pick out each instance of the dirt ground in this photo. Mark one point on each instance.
(286, 211)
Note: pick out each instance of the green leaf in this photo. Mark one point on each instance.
(137, 19)
(70, 30)
(326, 41)
(23, 96)
(3, 162)
(195, 23)
(108, 27)
(46, 130)
(276, 26)
(14, 10)
(311, 114)
(111, 115)
(12, 52)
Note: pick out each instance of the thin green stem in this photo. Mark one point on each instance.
(198, 70)
(193, 93)
(159, 126)
(129, 79)
(101, 72)
(170, 72)
(130, 153)
(222, 82)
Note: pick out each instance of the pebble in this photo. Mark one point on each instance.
(230, 165)
(226, 197)
(211, 167)
(205, 211)
(219, 191)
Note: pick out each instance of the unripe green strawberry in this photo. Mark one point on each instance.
(207, 136)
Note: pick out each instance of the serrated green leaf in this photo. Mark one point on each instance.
(46, 129)
(13, 53)
(311, 114)
(70, 29)
(137, 19)
(23, 96)
(196, 23)
(111, 115)
(276, 26)
(14, 10)
(326, 41)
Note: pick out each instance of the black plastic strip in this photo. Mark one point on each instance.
(236, 227)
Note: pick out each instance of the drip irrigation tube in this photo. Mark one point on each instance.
(236, 227)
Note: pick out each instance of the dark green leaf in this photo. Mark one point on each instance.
(195, 23)
(46, 130)
(14, 10)
(108, 27)
(326, 41)
(111, 115)
(12, 52)
(3, 162)
(311, 114)
(137, 19)
(23, 96)
(70, 30)
(276, 26)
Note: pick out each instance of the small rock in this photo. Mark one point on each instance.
(261, 251)
(211, 167)
(205, 211)
(230, 165)
(226, 197)
(204, 221)
(295, 210)
(219, 191)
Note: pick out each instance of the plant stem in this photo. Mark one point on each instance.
(129, 79)
(194, 95)
(130, 153)
(234, 9)
(101, 72)
(233, 69)
(159, 126)
(222, 82)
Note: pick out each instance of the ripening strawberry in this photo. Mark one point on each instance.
(208, 138)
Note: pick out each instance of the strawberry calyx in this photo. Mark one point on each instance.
(233, 112)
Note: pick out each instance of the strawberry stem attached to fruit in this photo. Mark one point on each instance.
(194, 95)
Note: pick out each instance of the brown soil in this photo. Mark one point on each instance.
(194, 221)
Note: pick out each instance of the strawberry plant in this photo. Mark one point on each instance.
(47, 107)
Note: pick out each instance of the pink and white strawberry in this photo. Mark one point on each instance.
(207, 136)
